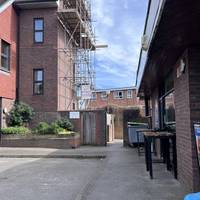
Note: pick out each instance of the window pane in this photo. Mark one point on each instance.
(38, 88)
(5, 55)
(5, 49)
(39, 75)
(39, 24)
(38, 36)
(5, 63)
(169, 116)
(103, 95)
(129, 94)
(118, 95)
(169, 83)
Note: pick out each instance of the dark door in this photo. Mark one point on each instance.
(89, 128)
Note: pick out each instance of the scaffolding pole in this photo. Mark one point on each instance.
(75, 17)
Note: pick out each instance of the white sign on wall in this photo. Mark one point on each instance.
(86, 92)
(74, 115)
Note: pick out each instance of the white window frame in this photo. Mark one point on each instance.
(104, 95)
(129, 95)
(116, 95)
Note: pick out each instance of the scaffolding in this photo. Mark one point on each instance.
(75, 16)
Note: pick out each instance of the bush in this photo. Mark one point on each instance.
(21, 113)
(65, 124)
(15, 130)
(42, 128)
(55, 128)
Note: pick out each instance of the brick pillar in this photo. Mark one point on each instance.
(187, 108)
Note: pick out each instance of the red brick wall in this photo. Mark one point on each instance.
(187, 100)
(194, 88)
(100, 125)
(39, 56)
(8, 33)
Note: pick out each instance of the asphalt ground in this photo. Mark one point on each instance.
(121, 175)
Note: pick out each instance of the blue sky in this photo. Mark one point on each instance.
(120, 24)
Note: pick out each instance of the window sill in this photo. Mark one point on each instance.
(36, 95)
(38, 43)
(4, 71)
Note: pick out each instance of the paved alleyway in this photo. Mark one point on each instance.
(124, 178)
(121, 176)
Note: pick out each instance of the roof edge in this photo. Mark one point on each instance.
(115, 89)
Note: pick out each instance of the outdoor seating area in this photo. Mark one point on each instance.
(158, 147)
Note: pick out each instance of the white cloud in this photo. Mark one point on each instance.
(120, 25)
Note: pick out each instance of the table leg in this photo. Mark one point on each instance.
(146, 153)
(163, 143)
(149, 141)
(167, 153)
(138, 143)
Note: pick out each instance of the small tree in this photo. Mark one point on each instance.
(65, 124)
(20, 114)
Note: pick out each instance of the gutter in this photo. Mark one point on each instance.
(18, 56)
(145, 27)
(153, 35)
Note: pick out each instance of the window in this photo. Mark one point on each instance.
(167, 106)
(118, 95)
(94, 96)
(129, 94)
(104, 95)
(38, 30)
(168, 110)
(38, 81)
(5, 56)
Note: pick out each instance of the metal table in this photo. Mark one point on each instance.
(164, 137)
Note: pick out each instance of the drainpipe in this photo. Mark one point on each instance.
(18, 54)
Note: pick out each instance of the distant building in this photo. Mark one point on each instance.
(116, 101)
(116, 97)
(8, 59)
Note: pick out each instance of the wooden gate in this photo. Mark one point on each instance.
(89, 128)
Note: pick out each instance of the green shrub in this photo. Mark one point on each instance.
(65, 124)
(42, 128)
(21, 113)
(15, 130)
(55, 128)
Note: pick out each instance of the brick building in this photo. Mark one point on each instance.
(43, 64)
(116, 97)
(46, 43)
(8, 57)
(117, 101)
(168, 77)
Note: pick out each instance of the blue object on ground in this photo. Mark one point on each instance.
(194, 196)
